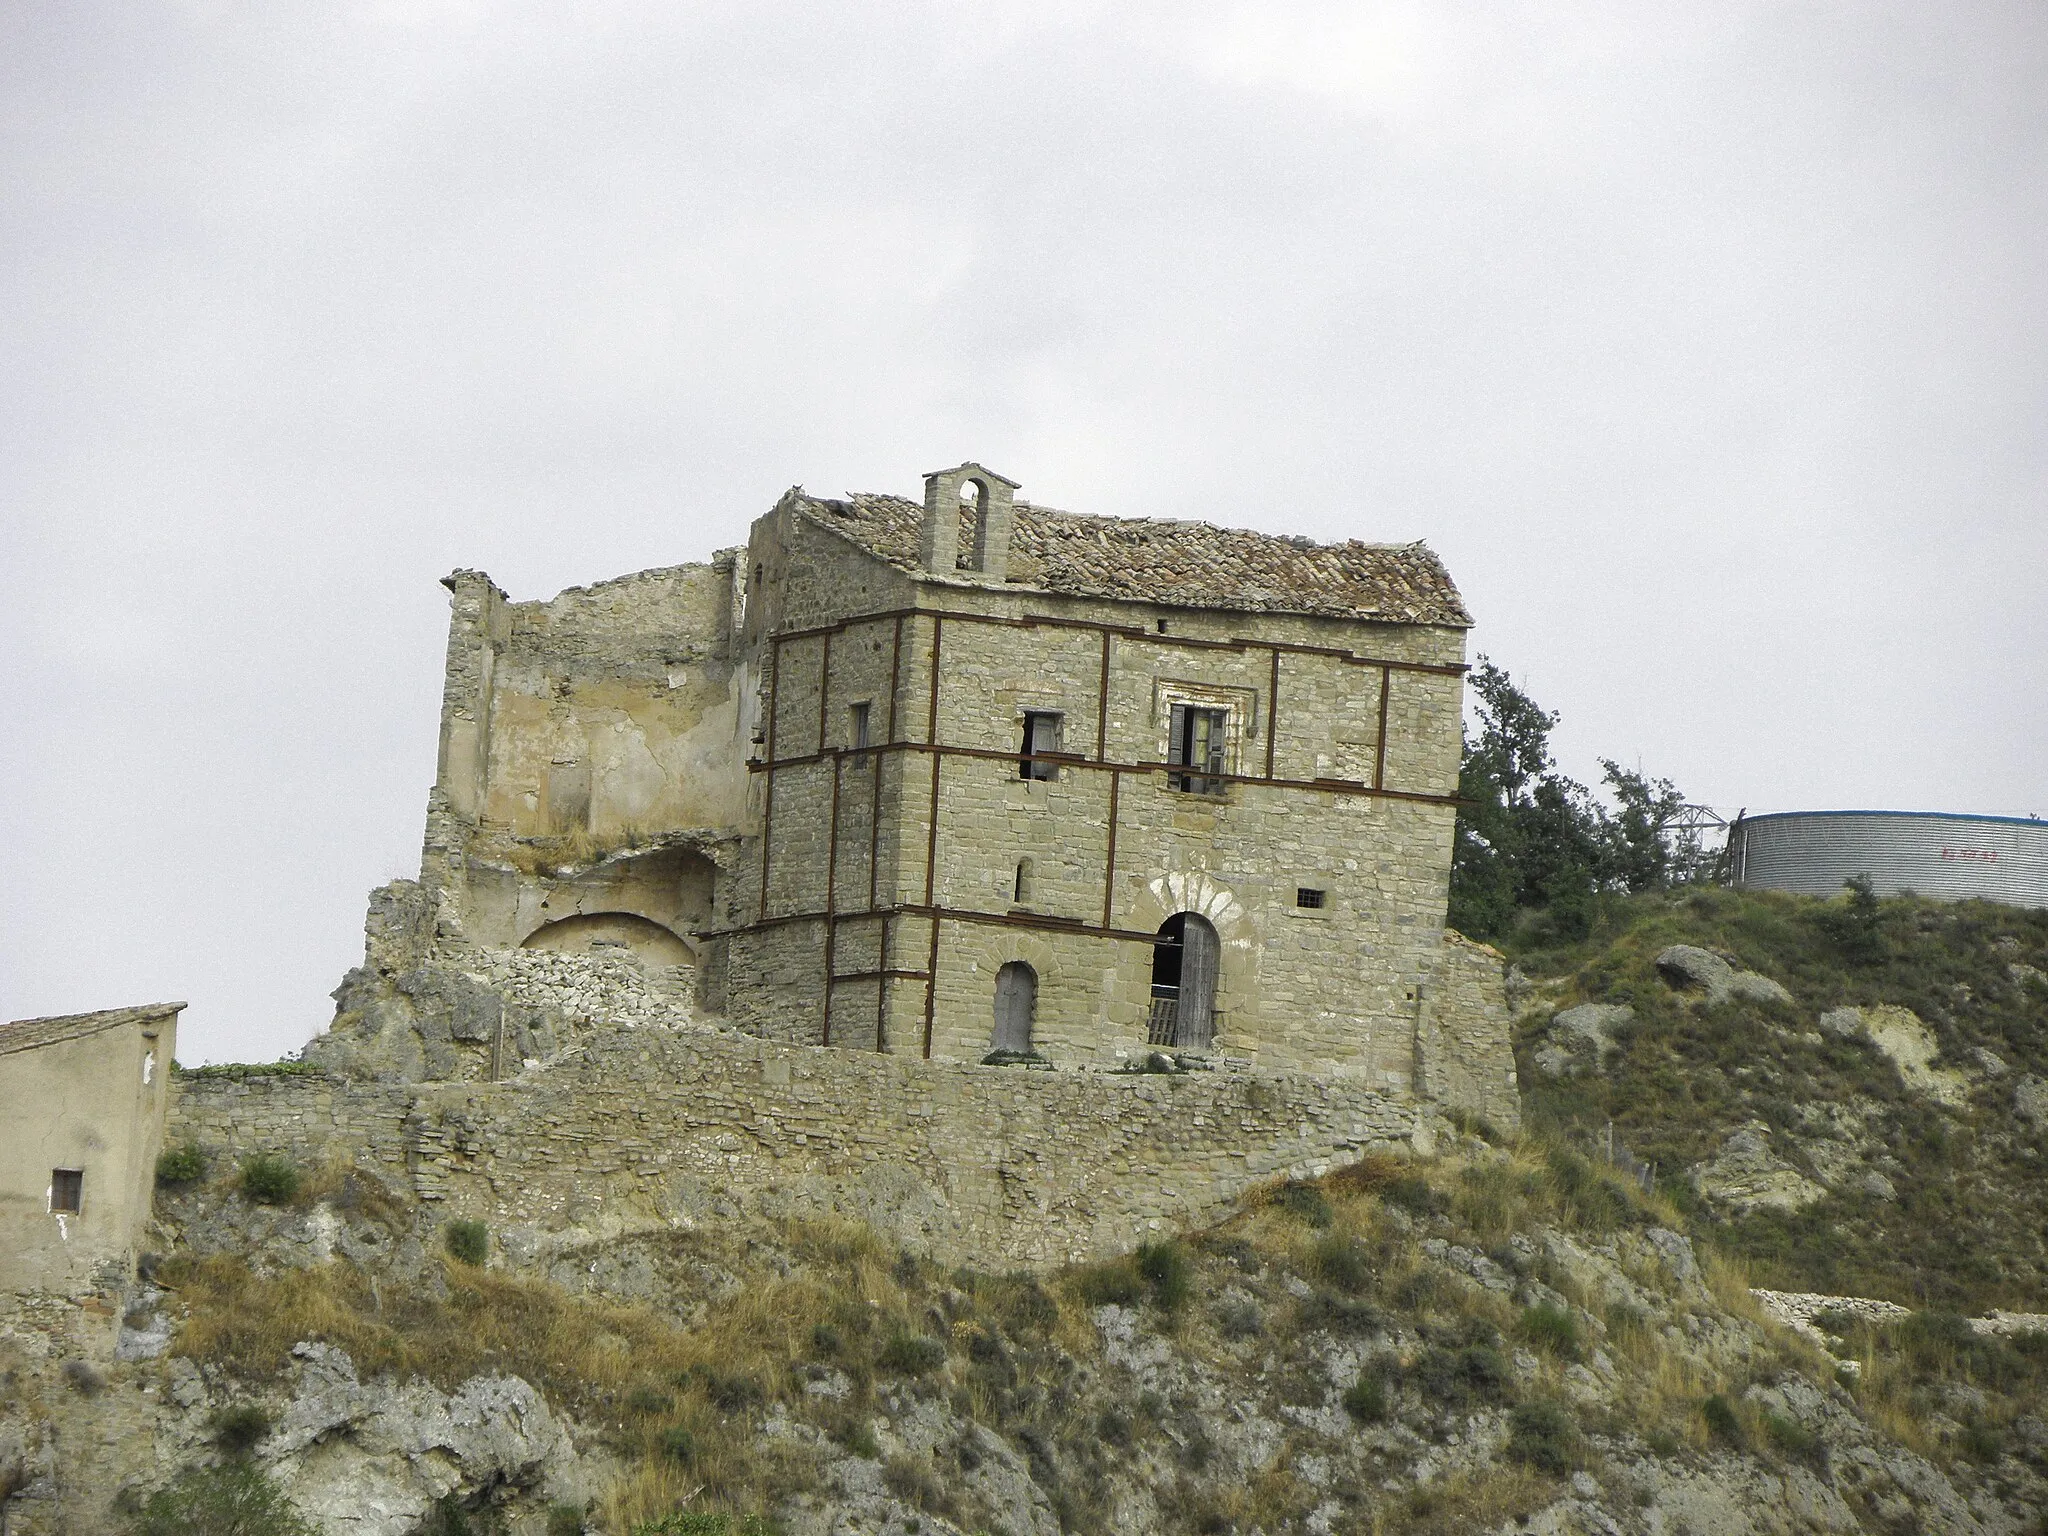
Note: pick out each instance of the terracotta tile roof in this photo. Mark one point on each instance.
(1185, 564)
(27, 1034)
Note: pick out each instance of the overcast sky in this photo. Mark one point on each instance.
(1705, 342)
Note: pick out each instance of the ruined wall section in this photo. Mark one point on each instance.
(1464, 1041)
(612, 710)
(653, 1128)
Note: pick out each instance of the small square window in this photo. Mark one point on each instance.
(857, 725)
(1309, 897)
(67, 1191)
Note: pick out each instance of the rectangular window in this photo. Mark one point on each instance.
(1042, 733)
(1309, 897)
(857, 725)
(67, 1191)
(1196, 740)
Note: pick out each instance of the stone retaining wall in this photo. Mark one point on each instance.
(648, 1128)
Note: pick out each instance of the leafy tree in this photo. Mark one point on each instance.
(1531, 839)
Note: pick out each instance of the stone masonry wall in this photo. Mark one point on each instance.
(1464, 1036)
(650, 1128)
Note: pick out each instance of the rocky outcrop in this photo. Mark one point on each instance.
(372, 1458)
(1748, 1175)
(1691, 969)
(1582, 1038)
(1910, 1045)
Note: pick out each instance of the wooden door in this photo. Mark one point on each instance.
(1016, 1003)
(1200, 951)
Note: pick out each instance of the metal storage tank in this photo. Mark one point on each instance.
(1995, 858)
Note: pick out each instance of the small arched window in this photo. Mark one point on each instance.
(1016, 1007)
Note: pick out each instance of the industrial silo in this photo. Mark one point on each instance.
(1996, 858)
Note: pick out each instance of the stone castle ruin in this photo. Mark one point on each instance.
(948, 780)
(1009, 879)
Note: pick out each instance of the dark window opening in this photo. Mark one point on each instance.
(1184, 963)
(67, 1191)
(1196, 740)
(857, 726)
(1308, 896)
(1042, 733)
(1162, 626)
(1023, 892)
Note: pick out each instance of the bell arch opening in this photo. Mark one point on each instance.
(1184, 964)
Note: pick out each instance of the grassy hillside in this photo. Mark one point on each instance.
(1440, 1347)
(1968, 1227)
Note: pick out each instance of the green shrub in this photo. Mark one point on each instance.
(1721, 1420)
(699, 1522)
(234, 1499)
(270, 1178)
(1541, 1434)
(1477, 1373)
(1414, 1194)
(1304, 1201)
(912, 1354)
(1981, 1442)
(1791, 1437)
(565, 1520)
(1552, 1329)
(1111, 1284)
(449, 1518)
(1239, 1320)
(1164, 1266)
(1366, 1399)
(679, 1445)
(238, 1430)
(649, 1401)
(1341, 1260)
(468, 1242)
(180, 1165)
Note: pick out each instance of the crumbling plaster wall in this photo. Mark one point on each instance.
(650, 1128)
(93, 1100)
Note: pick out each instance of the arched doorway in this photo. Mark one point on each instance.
(1016, 1007)
(1184, 982)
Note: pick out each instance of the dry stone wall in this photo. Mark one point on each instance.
(650, 1128)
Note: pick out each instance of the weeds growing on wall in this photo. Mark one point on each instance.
(180, 1164)
(270, 1178)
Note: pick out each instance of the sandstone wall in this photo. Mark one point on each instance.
(1465, 1055)
(1328, 989)
(651, 1128)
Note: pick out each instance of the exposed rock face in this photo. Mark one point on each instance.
(1582, 1038)
(2030, 1101)
(371, 1459)
(1911, 1047)
(1690, 968)
(1748, 1175)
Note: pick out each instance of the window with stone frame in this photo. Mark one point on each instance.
(67, 1191)
(1198, 740)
